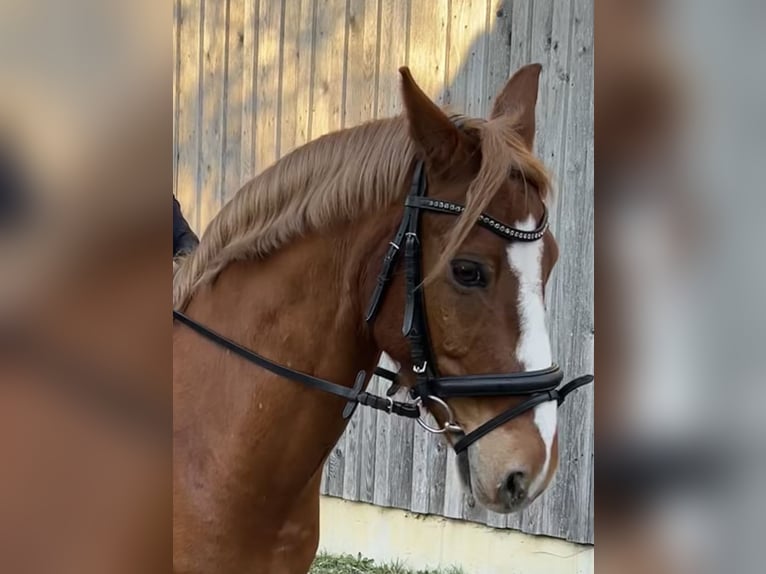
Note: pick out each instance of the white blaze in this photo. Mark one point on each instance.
(534, 347)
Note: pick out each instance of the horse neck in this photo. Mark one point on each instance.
(302, 307)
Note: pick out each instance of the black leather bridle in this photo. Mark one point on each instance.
(429, 389)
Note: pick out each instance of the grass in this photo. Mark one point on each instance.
(346, 564)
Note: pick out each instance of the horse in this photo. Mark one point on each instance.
(286, 283)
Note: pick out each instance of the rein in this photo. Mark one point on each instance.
(430, 389)
(355, 396)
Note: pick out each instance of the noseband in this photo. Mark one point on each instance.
(430, 389)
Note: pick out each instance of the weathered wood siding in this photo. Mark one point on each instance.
(257, 78)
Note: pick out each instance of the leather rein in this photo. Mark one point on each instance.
(430, 389)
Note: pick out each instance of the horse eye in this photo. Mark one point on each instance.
(469, 273)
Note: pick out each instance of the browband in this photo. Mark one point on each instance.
(497, 227)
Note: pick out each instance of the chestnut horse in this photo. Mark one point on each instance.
(287, 268)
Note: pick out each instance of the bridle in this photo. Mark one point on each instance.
(430, 389)
(541, 385)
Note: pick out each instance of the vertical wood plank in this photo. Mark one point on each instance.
(232, 155)
(392, 54)
(540, 52)
(499, 49)
(249, 85)
(361, 76)
(268, 82)
(325, 477)
(421, 471)
(555, 93)
(521, 33)
(291, 53)
(369, 439)
(334, 470)
(352, 451)
(428, 46)
(401, 461)
(384, 460)
(573, 288)
(189, 108)
(453, 489)
(306, 68)
(478, 63)
(437, 490)
(456, 92)
(213, 90)
(297, 73)
(329, 47)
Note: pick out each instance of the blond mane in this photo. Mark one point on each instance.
(337, 178)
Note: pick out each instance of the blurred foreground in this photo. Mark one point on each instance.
(85, 358)
(680, 283)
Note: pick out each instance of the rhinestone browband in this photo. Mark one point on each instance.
(490, 223)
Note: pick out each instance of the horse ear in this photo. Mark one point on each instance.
(518, 98)
(430, 127)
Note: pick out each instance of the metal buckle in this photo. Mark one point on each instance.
(421, 369)
(449, 426)
(390, 408)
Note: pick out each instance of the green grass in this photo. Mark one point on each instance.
(346, 564)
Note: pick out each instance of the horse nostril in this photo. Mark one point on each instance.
(516, 486)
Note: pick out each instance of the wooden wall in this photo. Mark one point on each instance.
(257, 78)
